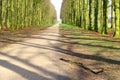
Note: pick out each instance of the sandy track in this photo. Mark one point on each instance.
(35, 59)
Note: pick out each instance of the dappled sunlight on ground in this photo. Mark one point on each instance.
(94, 50)
(35, 59)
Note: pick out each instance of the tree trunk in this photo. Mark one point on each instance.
(90, 15)
(117, 26)
(112, 15)
(105, 18)
(96, 15)
(0, 13)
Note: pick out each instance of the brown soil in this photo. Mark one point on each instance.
(11, 37)
(37, 57)
(83, 47)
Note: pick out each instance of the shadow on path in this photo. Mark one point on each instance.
(44, 38)
(23, 72)
(26, 73)
(69, 52)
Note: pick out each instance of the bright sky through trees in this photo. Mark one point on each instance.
(57, 4)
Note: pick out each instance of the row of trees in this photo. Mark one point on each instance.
(92, 14)
(17, 14)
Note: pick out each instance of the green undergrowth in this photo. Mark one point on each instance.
(66, 26)
(70, 28)
(99, 46)
(92, 41)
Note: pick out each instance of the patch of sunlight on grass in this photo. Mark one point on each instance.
(97, 45)
(86, 37)
(68, 27)
(65, 25)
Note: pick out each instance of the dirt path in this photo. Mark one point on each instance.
(35, 59)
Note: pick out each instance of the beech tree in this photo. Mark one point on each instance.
(117, 19)
(17, 14)
(0, 13)
(92, 14)
(112, 15)
(105, 17)
(96, 10)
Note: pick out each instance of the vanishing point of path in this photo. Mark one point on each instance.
(35, 59)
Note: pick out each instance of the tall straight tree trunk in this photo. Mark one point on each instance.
(0, 13)
(112, 15)
(90, 15)
(85, 15)
(96, 15)
(117, 14)
(80, 13)
(12, 26)
(105, 18)
(101, 13)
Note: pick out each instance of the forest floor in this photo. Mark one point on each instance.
(18, 35)
(34, 54)
(34, 57)
(94, 50)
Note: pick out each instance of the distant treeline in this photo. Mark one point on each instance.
(17, 14)
(92, 14)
